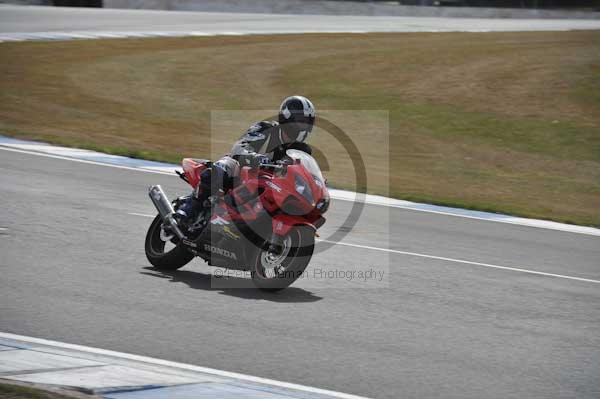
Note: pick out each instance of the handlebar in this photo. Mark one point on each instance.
(182, 176)
(271, 166)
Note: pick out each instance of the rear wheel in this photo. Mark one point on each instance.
(163, 250)
(276, 271)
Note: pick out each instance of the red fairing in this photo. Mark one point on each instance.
(292, 196)
(192, 170)
(281, 190)
(280, 194)
(283, 223)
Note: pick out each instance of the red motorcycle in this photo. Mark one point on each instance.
(266, 223)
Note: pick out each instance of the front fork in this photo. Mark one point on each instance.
(275, 244)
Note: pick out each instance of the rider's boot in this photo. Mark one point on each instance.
(191, 207)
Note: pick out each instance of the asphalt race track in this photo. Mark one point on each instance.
(465, 309)
(73, 270)
(14, 19)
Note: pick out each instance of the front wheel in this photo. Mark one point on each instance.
(274, 272)
(165, 252)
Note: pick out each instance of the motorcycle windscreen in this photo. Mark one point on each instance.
(309, 163)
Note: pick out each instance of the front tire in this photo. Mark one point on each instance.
(272, 274)
(172, 259)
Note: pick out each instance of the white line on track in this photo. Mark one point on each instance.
(351, 197)
(84, 161)
(167, 363)
(78, 35)
(443, 258)
(141, 214)
(467, 262)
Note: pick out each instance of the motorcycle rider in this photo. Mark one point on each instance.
(264, 142)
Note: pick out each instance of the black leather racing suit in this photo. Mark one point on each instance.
(264, 140)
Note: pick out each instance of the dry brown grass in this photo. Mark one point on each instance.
(495, 121)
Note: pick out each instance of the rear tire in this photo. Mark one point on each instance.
(302, 244)
(173, 259)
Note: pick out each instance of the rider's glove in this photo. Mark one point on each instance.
(261, 160)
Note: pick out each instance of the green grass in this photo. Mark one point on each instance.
(8, 391)
(503, 122)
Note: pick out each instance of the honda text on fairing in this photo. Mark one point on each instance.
(266, 224)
